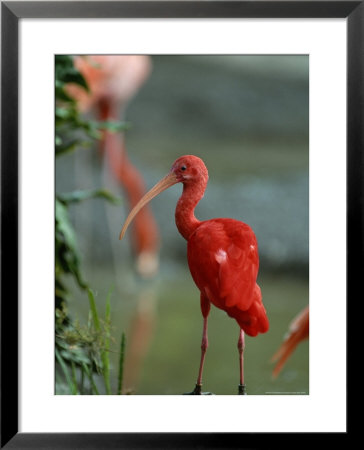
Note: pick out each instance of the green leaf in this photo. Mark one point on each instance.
(70, 146)
(94, 128)
(91, 128)
(74, 376)
(105, 353)
(65, 72)
(64, 224)
(63, 61)
(121, 364)
(71, 385)
(72, 75)
(63, 113)
(67, 258)
(61, 94)
(71, 353)
(95, 316)
(92, 382)
(82, 381)
(113, 126)
(81, 195)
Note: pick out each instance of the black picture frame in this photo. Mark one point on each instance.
(12, 12)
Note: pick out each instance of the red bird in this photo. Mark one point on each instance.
(298, 331)
(222, 256)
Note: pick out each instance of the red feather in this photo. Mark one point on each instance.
(223, 259)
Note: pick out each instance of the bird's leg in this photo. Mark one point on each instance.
(241, 345)
(204, 345)
(205, 308)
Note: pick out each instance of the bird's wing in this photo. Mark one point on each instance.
(239, 268)
(223, 259)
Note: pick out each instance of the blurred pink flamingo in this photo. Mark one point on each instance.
(113, 80)
(297, 332)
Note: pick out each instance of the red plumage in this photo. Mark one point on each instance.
(222, 253)
(223, 260)
(222, 256)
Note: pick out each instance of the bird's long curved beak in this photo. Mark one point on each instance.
(162, 185)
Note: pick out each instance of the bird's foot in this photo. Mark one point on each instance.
(198, 391)
(242, 389)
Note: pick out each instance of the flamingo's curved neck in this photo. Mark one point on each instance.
(185, 210)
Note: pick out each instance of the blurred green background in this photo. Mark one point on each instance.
(247, 118)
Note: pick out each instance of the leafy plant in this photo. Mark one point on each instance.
(81, 350)
(72, 131)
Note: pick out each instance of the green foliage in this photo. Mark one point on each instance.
(81, 350)
(66, 72)
(72, 131)
(67, 259)
(106, 350)
(121, 364)
(70, 381)
(104, 336)
(78, 196)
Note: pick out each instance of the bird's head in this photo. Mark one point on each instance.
(189, 170)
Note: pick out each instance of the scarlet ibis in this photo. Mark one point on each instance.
(297, 332)
(113, 80)
(222, 256)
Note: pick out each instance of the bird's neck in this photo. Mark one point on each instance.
(185, 211)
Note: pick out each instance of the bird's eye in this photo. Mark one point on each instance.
(183, 167)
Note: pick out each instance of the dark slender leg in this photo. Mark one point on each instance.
(241, 345)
